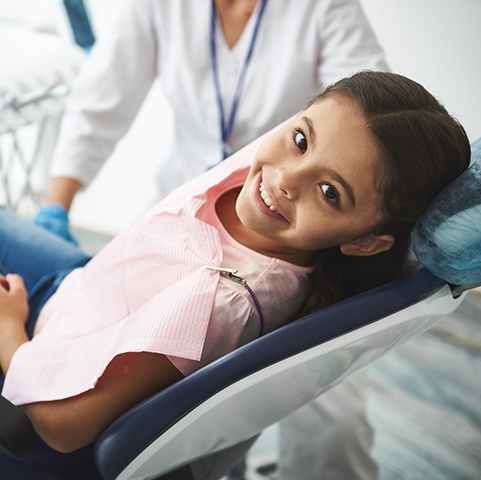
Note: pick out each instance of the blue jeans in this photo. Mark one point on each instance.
(40, 257)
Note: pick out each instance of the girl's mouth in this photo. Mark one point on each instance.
(264, 201)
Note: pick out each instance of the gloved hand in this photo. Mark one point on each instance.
(54, 218)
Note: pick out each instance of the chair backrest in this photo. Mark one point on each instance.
(236, 397)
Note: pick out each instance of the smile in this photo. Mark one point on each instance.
(264, 201)
(267, 200)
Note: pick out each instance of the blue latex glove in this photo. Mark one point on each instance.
(54, 218)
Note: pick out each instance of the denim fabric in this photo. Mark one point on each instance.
(40, 257)
(447, 237)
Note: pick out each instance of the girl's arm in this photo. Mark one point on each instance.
(69, 424)
(74, 422)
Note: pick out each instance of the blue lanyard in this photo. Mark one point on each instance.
(226, 127)
(80, 23)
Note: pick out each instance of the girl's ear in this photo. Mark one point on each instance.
(368, 245)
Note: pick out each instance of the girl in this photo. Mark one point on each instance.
(319, 210)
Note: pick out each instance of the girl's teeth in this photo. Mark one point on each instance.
(267, 199)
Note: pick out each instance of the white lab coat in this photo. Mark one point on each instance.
(301, 46)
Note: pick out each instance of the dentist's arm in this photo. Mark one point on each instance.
(62, 192)
(104, 100)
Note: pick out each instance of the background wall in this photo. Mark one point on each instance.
(437, 42)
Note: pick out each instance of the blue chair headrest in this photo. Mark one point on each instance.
(447, 237)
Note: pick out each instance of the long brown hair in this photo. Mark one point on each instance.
(423, 148)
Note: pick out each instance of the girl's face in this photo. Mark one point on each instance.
(313, 185)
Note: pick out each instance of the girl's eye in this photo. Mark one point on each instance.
(300, 141)
(330, 193)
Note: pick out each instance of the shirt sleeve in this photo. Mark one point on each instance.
(348, 42)
(108, 92)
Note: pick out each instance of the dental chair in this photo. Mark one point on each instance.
(200, 427)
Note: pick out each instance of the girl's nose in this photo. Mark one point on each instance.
(289, 181)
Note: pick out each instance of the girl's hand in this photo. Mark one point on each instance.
(13, 314)
(13, 300)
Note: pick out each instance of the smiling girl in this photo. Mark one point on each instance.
(319, 210)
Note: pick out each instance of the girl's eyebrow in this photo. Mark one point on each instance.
(345, 185)
(310, 128)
